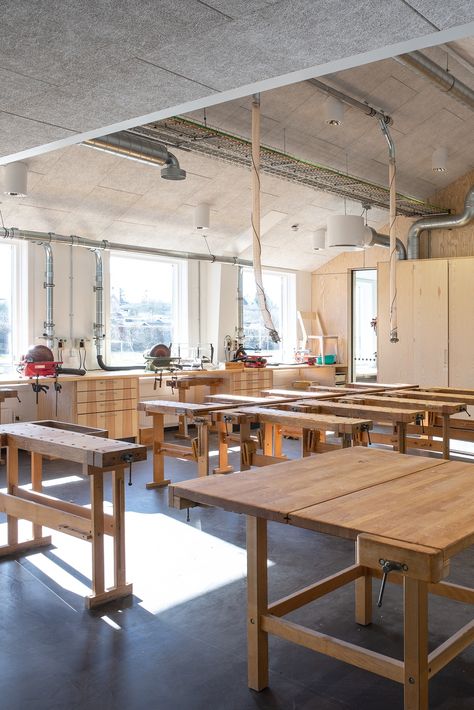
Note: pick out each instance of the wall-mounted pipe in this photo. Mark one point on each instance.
(48, 285)
(439, 76)
(447, 222)
(392, 172)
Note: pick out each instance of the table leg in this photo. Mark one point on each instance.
(37, 485)
(183, 432)
(402, 437)
(118, 499)
(12, 481)
(363, 597)
(158, 456)
(416, 644)
(278, 441)
(244, 436)
(267, 439)
(257, 602)
(346, 441)
(97, 520)
(224, 466)
(203, 448)
(306, 442)
(446, 441)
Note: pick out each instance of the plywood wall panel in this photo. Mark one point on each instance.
(330, 297)
(430, 322)
(461, 323)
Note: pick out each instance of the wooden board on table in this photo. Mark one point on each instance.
(71, 446)
(164, 406)
(433, 507)
(344, 390)
(428, 396)
(320, 422)
(408, 403)
(277, 490)
(362, 409)
(298, 394)
(241, 399)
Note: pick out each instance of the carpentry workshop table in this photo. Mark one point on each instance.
(199, 414)
(312, 425)
(183, 385)
(98, 455)
(355, 407)
(350, 493)
(298, 394)
(435, 405)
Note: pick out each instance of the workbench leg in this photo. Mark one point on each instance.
(224, 466)
(244, 437)
(267, 439)
(97, 520)
(346, 441)
(277, 440)
(37, 485)
(12, 482)
(257, 602)
(203, 449)
(183, 432)
(118, 500)
(402, 437)
(363, 597)
(306, 442)
(446, 442)
(416, 644)
(158, 456)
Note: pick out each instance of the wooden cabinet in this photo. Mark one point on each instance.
(108, 403)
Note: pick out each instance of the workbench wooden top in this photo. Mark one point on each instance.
(407, 403)
(409, 499)
(435, 402)
(303, 420)
(166, 406)
(242, 399)
(72, 446)
(298, 394)
(7, 394)
(279, 490)
(362, 409)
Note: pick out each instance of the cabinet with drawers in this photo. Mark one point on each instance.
(108, 403)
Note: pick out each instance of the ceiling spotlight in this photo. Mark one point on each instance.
(202, 216)
(15, 180)
(333, 111)
(319, 239)
(171, 169)
(439, 160)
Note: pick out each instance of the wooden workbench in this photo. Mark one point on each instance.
(349, 494)
(353, 407)
(438, 421)
(98, 455)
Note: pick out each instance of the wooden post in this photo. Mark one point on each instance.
(257, 601)
(244, 436)
(183, 432)
(416, 644)
(97, 520)
(203, 448)
(446, 442)
(37, 485)
(12, 481)
(277, 441)
(306, 442)
(158, 456)
(346, 441)
(267, 439)
(224, 466)
(118, 499)
(363, 597)
(402, 437)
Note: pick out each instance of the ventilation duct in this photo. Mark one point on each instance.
(442, 78)
(382, 240)
(447, 222)
(142, 149)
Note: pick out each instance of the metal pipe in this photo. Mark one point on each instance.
(73, 240)
(130, 145)
(99, 330)
(350, 101)
(447, 222)
(382, 240)
(442, 78)
(48, 285)
(392, 172)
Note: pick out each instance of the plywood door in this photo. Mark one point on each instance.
(461, 323)
(430, 322)
(395, 361)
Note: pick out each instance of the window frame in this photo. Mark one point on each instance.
(179, 297)
(288, 329)
(19, 302)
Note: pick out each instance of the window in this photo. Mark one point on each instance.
(6, 304)
(280, 290)
(146, 305)
(364, 324)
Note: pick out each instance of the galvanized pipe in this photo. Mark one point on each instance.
(73, 240)
(442, 78)
(130, 145)
(446, 222)
(382, 240)
(350, 101)
(48, 285)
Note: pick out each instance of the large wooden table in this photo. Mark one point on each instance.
(350, 493)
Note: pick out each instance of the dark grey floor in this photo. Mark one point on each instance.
(180, 642)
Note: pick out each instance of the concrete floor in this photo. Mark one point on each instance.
(179, 643)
